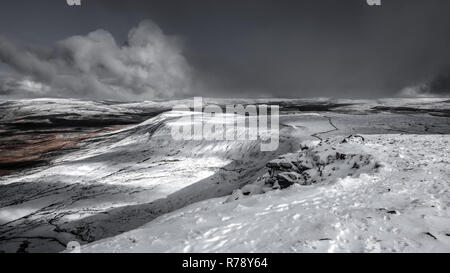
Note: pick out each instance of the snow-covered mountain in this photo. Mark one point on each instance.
(111, 176)
(401, 207)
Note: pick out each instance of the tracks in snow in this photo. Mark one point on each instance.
(316, 135)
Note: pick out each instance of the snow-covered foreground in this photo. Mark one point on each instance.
(401, 207)
(138, 189)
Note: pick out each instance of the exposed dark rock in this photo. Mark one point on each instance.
(313, 164)
(431, 235)
(353, 139)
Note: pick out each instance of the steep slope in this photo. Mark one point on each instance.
(120, 180)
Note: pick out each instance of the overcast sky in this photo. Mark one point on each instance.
(133, 50)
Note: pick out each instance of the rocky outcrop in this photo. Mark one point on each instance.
(315, 162)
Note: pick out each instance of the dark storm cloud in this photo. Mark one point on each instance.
(284, 48)
(440, 84)
(307, 48)
(437, 86)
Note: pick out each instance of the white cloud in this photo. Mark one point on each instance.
(150, 65)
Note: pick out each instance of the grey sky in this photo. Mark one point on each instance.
(250, 48)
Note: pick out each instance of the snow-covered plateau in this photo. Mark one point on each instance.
(348, 176)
